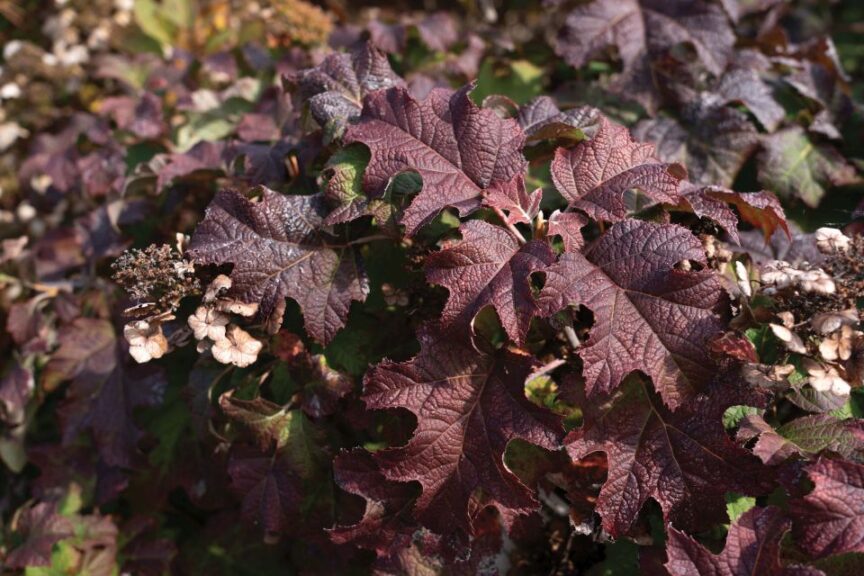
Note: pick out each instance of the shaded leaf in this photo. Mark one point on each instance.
(469, 405)
(752, 547)
(336, 87)
(714, 143)
(386, 522)
(794, 166)
(683, 460)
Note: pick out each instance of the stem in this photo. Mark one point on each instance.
(546, 368)
(572, 338)
(367, 239)
(511, 227)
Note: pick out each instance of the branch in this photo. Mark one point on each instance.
(512, 228)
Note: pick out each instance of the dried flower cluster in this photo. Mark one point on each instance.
(158, 278)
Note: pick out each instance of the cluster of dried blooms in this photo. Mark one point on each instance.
(485, 291)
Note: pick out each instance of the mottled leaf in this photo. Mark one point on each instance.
(760, 209)
(795, 166)
(541, 119)
(457, 148)
(42, 527)
(813, 434)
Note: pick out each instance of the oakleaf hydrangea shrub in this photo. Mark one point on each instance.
(390, 293)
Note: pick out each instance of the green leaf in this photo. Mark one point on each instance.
(734, 414)
(267, 422)
(155, 21)
(520, 80)
(792, 165)
(737, 505)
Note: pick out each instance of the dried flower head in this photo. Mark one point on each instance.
(245, 309)
(743, 277)
(828, 322)
(157, 275)
(217, 288)
(208, 323)
(146, 340)
(780, 275)
(238, 347)
(832, 240)
(838, 346)
(789, 338)
(827, 379)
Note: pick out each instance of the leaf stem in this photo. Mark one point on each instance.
(546, 368)
(572, 338)
(511, 227)
(367, 239)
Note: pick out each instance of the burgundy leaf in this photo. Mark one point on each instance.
(487, 267)
(648, 315)
(568, 225)
(752, 547)
(336, 87)
(683, 460)
(795, 247)
(642, 30)
(595, 175)
(516, 203)
(469, 405)
(202, 158)
(541, 119)
(744, 86)
(458, 148)
(771, 447)
(277, 252)
(830, 520)
(143, 117)
(42, 528)
(760, 209)
(386, 523)
(270, 490)
(87, 348)
(439, 31)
